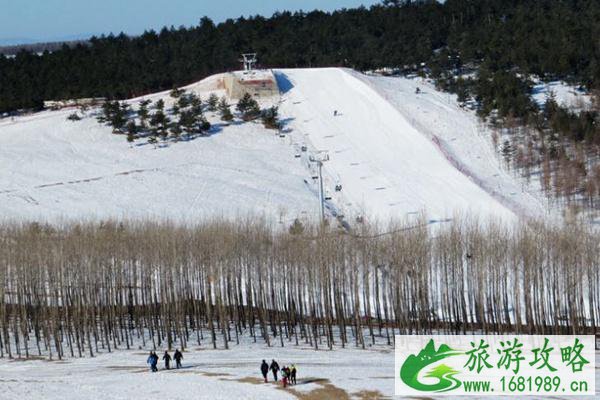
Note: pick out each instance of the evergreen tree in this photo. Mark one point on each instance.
(213, 100)
(175, 110)
(132, 131)
(185, 101)
(203, 125)
(175, 129)
(188, 121)
(224, 110)
(252, 112)
(159, 120)
(244, 103)
(445, 36)
(176, 93)
(118, 116)
(160, 105)
(109, 110)
(248, 107)
(195, 102)
(270, 118)
(143, 113)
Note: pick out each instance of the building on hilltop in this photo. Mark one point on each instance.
(258, 83)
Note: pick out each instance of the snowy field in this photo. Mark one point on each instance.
(55, 170)
(394, 154)
(209, 374)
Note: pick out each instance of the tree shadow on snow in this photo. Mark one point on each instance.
(214, 130)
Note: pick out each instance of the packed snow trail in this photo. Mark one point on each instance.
(387, 168)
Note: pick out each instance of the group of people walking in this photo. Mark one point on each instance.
(288, 374)
(153, 360)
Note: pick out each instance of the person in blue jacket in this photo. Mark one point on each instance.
(153, 361)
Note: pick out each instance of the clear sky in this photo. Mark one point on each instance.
(47, 20)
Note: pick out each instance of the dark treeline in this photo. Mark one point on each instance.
(550, 38)
(76, 290)
(38, 47)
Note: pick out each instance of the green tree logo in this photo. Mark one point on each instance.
(409, 372)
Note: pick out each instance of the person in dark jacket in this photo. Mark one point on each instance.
(275, 368)
(178, 357)
(167, 359)
(264, 369)
(293, 371)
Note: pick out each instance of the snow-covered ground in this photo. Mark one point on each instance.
(53, 169)
(462, 138)
(394, 153)
(208, 374)
(565, 95)
(392, 150)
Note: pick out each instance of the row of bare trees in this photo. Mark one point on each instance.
(75, 290)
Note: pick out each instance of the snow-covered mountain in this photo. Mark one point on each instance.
(395, 153)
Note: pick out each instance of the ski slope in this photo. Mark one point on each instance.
(395, 154)
(388, 164)
(463, 140)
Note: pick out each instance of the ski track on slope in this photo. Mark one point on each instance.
(389, 168)
(459, 137)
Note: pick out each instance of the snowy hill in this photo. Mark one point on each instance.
(391, 148)
(54, 170)
(394, 153)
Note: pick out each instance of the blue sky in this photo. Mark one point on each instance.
(46, 20)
